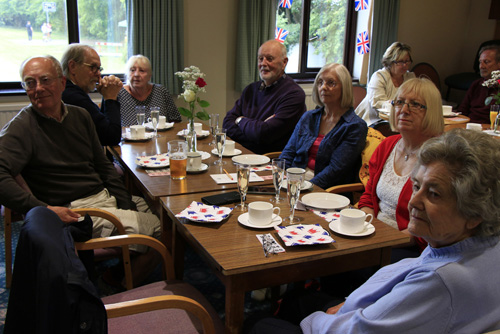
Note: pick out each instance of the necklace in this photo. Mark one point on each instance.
(408, 154)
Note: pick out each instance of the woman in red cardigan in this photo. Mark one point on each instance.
(417, 115)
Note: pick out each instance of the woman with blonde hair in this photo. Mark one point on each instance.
(139, 91)
(384, 83)
(328, 141)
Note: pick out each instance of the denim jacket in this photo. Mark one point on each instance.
(339, 153)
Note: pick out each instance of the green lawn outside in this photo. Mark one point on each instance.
(16, 48)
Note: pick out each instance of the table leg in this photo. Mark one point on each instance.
(235, 303)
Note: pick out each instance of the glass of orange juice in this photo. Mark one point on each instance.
(177, 153)
(494, 108)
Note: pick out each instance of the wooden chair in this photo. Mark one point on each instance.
(163, 296)
(101, 254)
(373, 139)
(359, 94)
(428, 71)
(273, 155)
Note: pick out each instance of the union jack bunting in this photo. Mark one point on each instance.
(362, 43)
(360, 5)
(280, 34)
(286, 3)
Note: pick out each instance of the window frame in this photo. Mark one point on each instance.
(14, 87)
(307, 74)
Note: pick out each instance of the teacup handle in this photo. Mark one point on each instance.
(279, 210)
(371, 218)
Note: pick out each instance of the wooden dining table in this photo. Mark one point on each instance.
(237, 258)
(153, 187)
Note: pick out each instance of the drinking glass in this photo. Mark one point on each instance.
(155, 119)
(214, 124)
(140, 112)
(177, 153)
(494, 109)
(294, 178)
(243, 175)
(278, 166)
(220, 143)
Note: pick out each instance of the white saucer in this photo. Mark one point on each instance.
(126, 136)
(203, 134)
(251, 159)
(203, 168)
(491, 132)
(335, 227)
(235, 152)
(306, 185)
(243, 220)
(451, 114)
(167, 126)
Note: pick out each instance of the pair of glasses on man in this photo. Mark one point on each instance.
(31, 84)
(412, 105)
(94, 68)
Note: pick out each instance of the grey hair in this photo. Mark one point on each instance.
(75, 52)
(493, 47)
(55, 64)
(472, 159)
(345, 79)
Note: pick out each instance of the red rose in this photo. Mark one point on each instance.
(200, 82)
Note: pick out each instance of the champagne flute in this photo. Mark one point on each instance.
(220, 143)
(243, 176)
(140, 112)
(294, 179)
(278, 166)
(214, 124)
(155, 119)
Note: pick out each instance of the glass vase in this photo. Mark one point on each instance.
(191, 136)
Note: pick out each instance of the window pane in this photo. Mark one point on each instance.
(326, 32)
(291, 19)
(103, 26)
(15, 36)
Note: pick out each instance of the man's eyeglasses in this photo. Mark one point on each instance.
(94, 68)
(412, 105)
(30, 84)
(329, 83)
(403, 62)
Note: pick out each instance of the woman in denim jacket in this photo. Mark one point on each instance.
(328, 141)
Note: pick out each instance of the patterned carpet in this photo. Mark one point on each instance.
(196, 273)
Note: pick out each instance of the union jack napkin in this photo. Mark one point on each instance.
(295, 235)
(200, 212)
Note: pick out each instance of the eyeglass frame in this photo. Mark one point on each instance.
(412, 105)
(94, 68)
(329, 83)
(44, 82)
(403, 62)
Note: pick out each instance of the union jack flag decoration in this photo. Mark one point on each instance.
(360, 5)
(286, 3)
(280, 34)
(362, 43)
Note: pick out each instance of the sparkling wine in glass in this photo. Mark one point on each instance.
(278, 166)
(243, 176)
(214, 124)
(155, 119)
(294, 179)
(140, 112)
(220, 143)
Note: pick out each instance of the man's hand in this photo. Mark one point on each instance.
(334, 309)
(109, 87)
(66, 215)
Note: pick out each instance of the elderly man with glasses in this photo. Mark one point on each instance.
(56, 150)
(82, 68)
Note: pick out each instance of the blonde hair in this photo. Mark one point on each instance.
(395, 52)
(140, 60)
(433, 124)
(345, 79)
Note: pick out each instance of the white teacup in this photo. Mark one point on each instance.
(261, 213)
(137, 131)
(229, 148)
(447, 110)
(197, 127)
(193, 161)
(353, 220)
(162, 123)
(474, 126)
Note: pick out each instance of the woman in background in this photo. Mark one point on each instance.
(139, 91)
(328, 141)
(384, 83)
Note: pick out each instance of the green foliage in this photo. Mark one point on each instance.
(184, 112)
